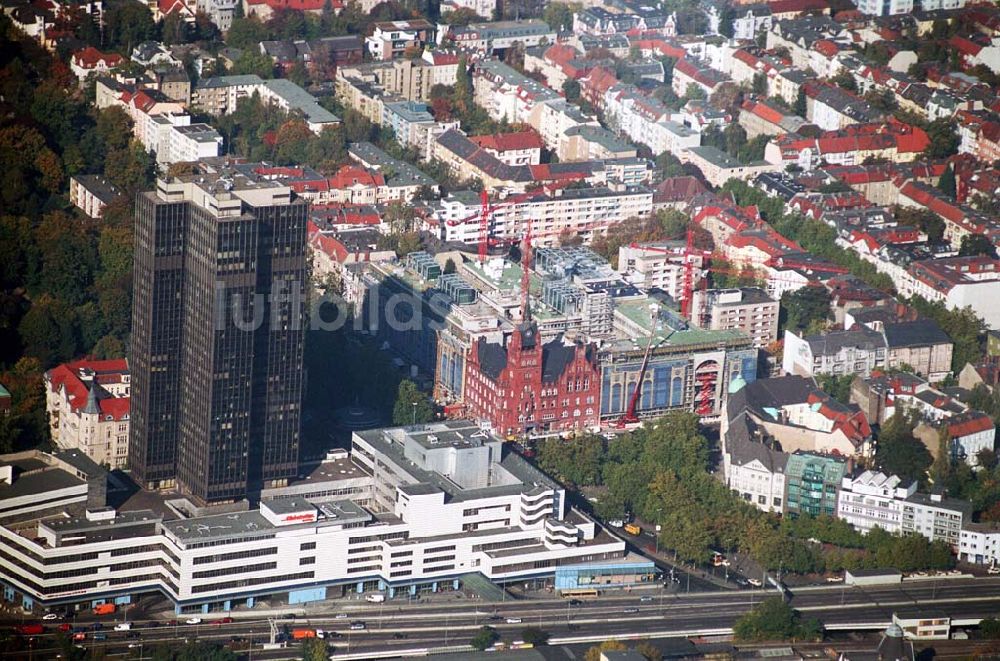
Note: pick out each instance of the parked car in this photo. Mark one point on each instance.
(340, 616)
(616, 523)
(631, 610)
(64, 626)
(100, 635)
(123, 626)
(993, 570)
(755, 582)
(193, 620)
(51, 616)
(513, 620)
(645, 599)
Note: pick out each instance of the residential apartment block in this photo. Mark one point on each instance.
(874, 499)
(748, 309)
(91, 193)
(219, 96)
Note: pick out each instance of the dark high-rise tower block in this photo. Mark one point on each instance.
(217, 335)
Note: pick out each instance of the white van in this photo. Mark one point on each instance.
(375, 598)
(124, 626)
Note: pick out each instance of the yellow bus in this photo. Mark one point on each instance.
(633, 529)
(580, 593)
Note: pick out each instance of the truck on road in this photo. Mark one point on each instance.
(299, 634)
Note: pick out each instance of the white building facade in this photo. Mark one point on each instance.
(411, 508)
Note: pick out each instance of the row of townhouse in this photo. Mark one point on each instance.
(920, 344)
(508, 95)
(485, 39)
(161, 124)
(764, 427)
(849, 145)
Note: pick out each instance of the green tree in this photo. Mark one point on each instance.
(411, 405)
(801, 103)
(559, 15)
(946, 184)
(977, 244)
(805, 308)
(924, 220)
(694, 92)
(254, 62)
(774, 620)
(484, 638)
(899, 452)
(463, 92)
(881, 99)
(736, 139)
(944, 138)
(759, 85)
(574, 461)
(535, 636)
(571, 90)
(845, 80)
(461, 16)
(127, 24)
(314, 649)
(49, 331)
(989, 628)
(247, 33)
(837, 386)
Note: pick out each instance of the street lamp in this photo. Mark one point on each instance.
(414, 404)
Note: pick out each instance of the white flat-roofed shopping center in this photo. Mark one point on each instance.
(409, 509)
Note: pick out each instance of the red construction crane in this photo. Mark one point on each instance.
(525, 265)
(486, 210)
(631, 415)
(484, 226)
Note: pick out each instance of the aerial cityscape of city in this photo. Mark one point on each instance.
(538, 330)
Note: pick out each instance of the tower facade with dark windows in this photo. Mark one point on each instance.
(218, 335)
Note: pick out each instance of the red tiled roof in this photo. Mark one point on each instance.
(90, 57)
(964, 46)
(352, 175)
(764, 111)
(969, 423)
(170, 6)
(67, 376)
(501, 142)
(561, 53)
(826, 47)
